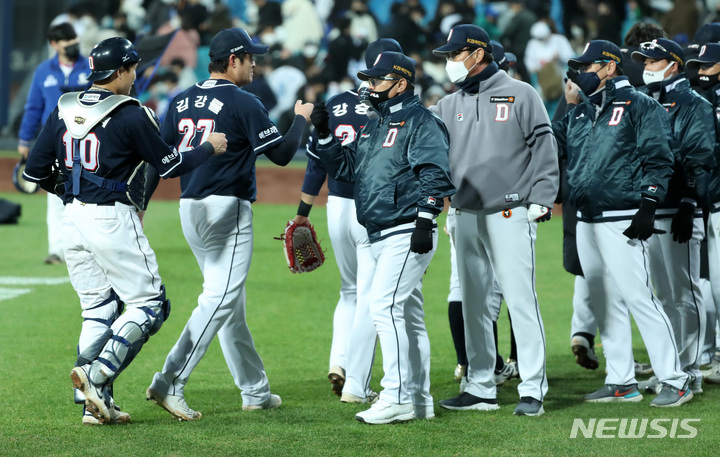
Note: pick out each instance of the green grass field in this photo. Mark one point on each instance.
(290, 317)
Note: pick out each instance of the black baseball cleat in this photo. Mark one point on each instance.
(466, 401)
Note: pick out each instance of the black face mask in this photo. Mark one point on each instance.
(72, 51)
(376, 98)
(706, 82)
(587, 82)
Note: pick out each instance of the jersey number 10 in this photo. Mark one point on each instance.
(89, 147)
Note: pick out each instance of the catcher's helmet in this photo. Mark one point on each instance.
(110, 55)
(21, 185)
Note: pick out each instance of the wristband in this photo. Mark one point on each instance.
(304, 209)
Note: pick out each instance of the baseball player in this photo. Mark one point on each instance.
(399, 165)
(675, 254)
(502, 193)
(617, 144)
(67, 71)
(216, 218)
(101, 138)
(707, 64)
(353, 343)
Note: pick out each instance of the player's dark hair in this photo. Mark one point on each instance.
(64, 31)
(642, 32)
(221, 66)
(487, 57)
(410, 84)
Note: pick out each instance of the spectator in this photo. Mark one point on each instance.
(545, 57)
(517, 34)
(301, 24)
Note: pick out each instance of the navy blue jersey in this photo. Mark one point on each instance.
(217, 105)
(113, 149)
(347, 117)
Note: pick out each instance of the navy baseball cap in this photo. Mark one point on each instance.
(709, 53)
(660, 48)
(708, 33)
(501, 57)
(390, 62)
(596, 51)
(464, 36)
(380, 46)
(233, 41)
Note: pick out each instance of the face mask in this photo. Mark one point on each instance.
(706, 82)
(655, 76)
(72, 51)
(587, 82)
(457, 71)
(376, 98)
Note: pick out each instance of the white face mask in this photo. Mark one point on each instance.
(457, 71)
(650, 77)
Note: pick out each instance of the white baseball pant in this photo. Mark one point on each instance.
(400, 322)
(500, 246)
(675, 273)
(220, 234)
(617, 274)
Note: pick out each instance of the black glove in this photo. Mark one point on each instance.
(321, 120)
(421, 241)
(641, 226)
(682, 223)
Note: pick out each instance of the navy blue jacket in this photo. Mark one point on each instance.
(619, 155)
(398, 162)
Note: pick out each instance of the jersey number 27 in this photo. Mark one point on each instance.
(189, 128)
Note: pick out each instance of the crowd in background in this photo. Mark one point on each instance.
(317, 46)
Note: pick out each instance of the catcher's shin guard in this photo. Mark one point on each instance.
(130, 332)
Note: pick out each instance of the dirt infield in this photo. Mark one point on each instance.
(275, 184)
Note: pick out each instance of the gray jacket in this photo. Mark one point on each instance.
(503, 152)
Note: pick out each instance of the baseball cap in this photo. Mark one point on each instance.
(596, 51)
(709, 53)
(233, 41)
(501, 57)
(390, 62)
(708, 33)
(659, 48)
(463, 36)
(378, 46)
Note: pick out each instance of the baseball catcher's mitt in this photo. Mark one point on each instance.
(301, 247)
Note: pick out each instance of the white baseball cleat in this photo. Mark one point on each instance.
(94, 398)
(116, 417)
(174, 404)
(273, 401)
(336, 375)
(584, 354)
(383, 412)
(347, 397)
(460, 371)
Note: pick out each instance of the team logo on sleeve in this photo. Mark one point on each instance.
(507, 213)
(267, 132)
